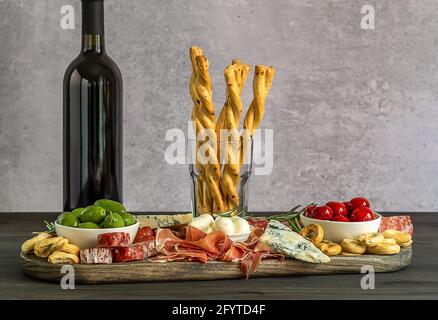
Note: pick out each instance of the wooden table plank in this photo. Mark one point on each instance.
(420, 280)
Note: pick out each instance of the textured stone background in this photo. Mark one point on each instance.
(354, 111)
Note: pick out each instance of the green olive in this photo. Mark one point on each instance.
(60, 217)
(77, 212)
(93, 214)
(110, 205)
(129, 219)
(88, 225)
(69, 220)
(113, 220)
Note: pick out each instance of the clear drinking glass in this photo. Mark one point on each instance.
(202, 196)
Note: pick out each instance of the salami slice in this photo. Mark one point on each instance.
(149, 248)
(113, 239)
(96, 256)
(144, 234)
(400, 223)
(131, 253)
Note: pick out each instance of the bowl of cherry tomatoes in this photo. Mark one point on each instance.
(343, 220)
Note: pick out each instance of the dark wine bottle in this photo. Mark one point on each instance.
(92, 118)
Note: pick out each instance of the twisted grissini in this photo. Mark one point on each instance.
(204, 117)
(231, 122)
(241, 74)
(262, 82)
(201, 190)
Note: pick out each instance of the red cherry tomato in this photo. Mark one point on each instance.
(323, 213)
(340, 218)
(362, 214)
(337, 208)
(359, 202)
(310, 211)
(349, 207)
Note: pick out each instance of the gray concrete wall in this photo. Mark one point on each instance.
(354, 111)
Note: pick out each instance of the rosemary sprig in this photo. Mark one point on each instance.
(50, 226)
(233, 212)
(291, 217)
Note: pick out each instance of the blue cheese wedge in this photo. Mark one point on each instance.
(164, 221)
(280, 239)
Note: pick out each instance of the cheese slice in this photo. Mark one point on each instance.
(163, 221)
(280, 239)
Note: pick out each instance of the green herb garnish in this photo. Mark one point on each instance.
(292, 217)
(50, 226)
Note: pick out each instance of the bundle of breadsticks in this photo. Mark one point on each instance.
(221, 149)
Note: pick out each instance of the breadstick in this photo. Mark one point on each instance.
(201, 194)
(241, 72)
(263, 77)
(231, 122)
(204, 117)
(200, 190)
(206, 111)
(262, 83)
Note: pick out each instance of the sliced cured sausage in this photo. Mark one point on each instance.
(149, 248)
(113, 239)
(131, 253)
(400, 223)
(96, 256)
(144, 234)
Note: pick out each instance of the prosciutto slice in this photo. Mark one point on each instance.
(202, 247)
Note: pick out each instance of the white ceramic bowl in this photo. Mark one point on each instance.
(87, 238)
(336, 231)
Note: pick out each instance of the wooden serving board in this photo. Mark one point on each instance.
(144, 271)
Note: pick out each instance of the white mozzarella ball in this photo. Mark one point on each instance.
(241, 225)
(225, 225)
(208, 218)
(210, 229)
(202, 222)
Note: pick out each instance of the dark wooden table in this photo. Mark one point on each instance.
(419, 281)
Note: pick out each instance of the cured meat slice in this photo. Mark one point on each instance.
(202, 247)
(144, 234)
(210, 246)
(258, 223)
(400, 223)
(215, 243)
(96, 256)
(113, 239)
(166, 240)
(149, 248)
(131, 253)
(249, 254)
(194, 234)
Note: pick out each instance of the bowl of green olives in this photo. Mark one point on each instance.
(82, 225)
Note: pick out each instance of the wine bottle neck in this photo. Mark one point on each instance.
(92, 26)
(93, 42)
